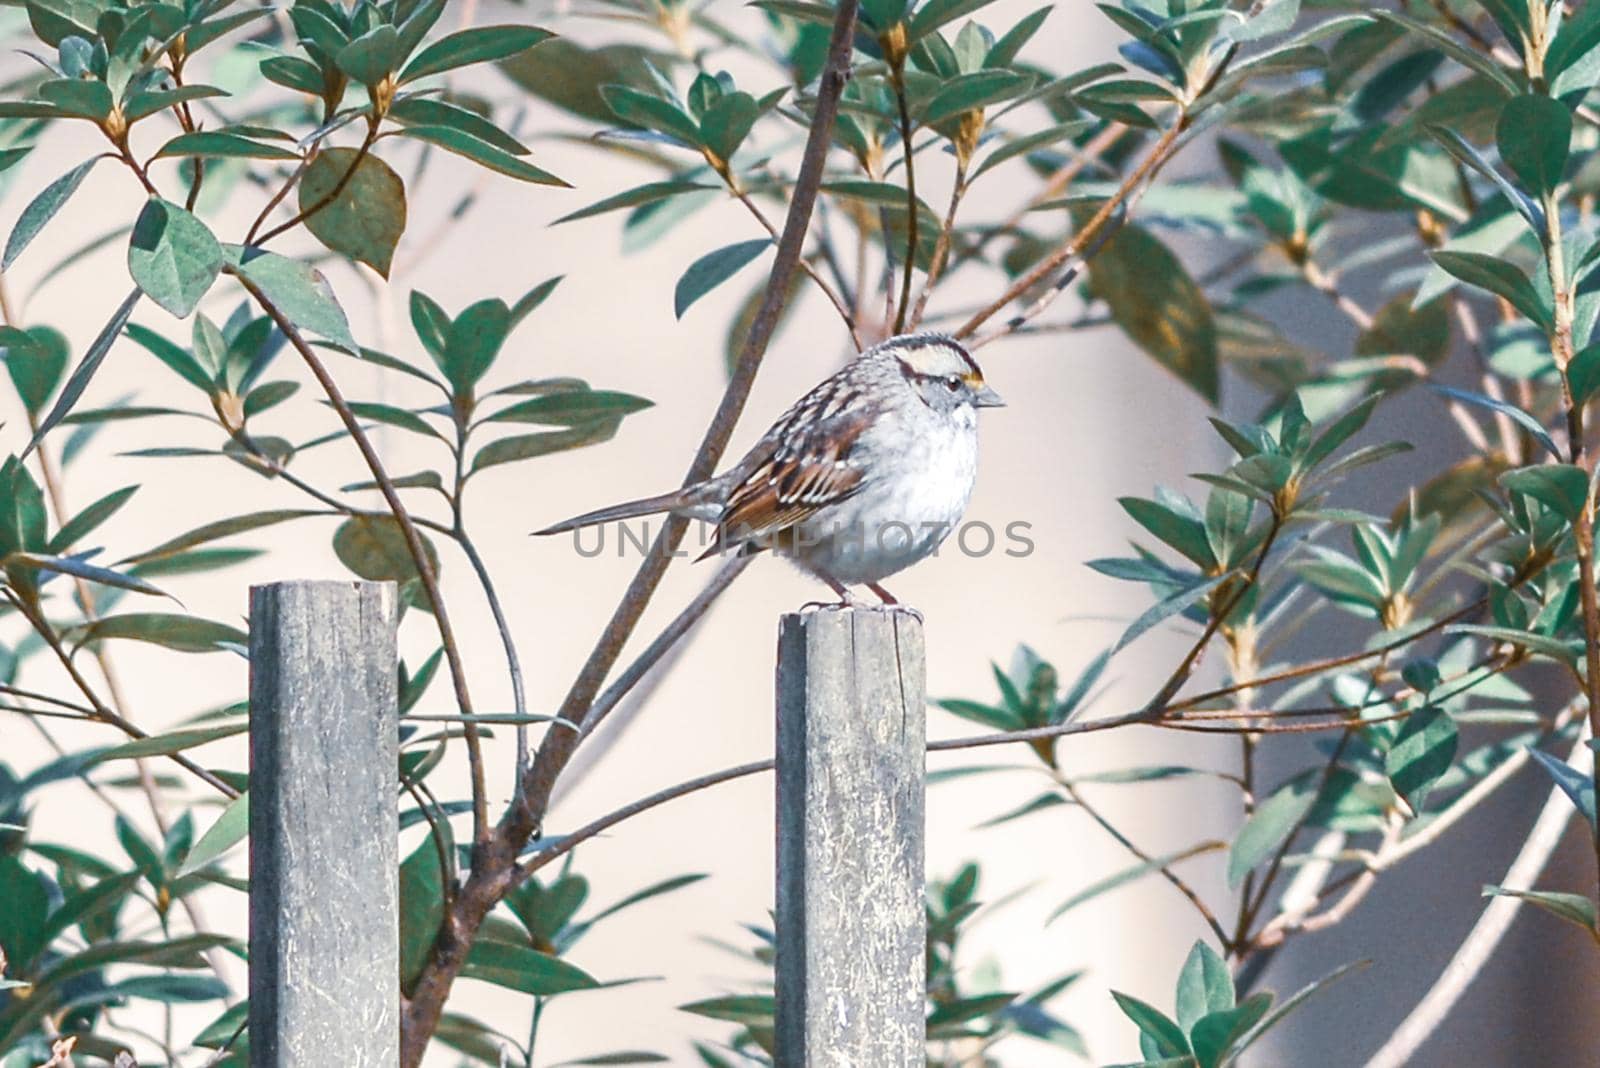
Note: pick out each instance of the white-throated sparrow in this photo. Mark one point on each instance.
(863, 477)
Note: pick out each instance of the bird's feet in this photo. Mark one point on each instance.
(889, 601)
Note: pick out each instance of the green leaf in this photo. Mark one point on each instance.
(524, 969)
(67, 565)
(714, 268)
(1563, 487)
(1168, 607)
(426, 111)
(1215, 1033)
(301, 293)
(641, 109)
(371, 57)
(390, 415)
(480, 44)
(228, 831)
(79, 97)
(1269, 828)
(170, 742)
(143, 105)
(173, 257)
(1534, 134)
(186, 634)
(752, 1010)
(971, 92)
(219, 144)
(728, 123)
(648, 193)
(374, 547)
(421, 908)
(1574, 908)
(1204, 986)
(571, 408)
(22, 921)
(1578, 786)
(1293, 1002)
(35, 359)
(92, 359)
(1158, 306)
(1528, 422)
(482, 152)
(362, 211)
(1422, 751)
(87, 521)
(1500, 278)
(1167, 1037)
(42, 209)
(472, 341)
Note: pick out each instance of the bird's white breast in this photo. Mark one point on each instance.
(900, 518)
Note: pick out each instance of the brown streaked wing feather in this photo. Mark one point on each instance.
(805, 470)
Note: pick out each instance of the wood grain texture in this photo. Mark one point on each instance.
(324, 926)
(851, 925)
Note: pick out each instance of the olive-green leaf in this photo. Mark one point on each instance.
(42, 209)
(186, 634)
(1534, 135)
(220, 528)
(524, 969)
(529, 446)
(374, 547)
(173, 257)
(571, 407)
(355, 204)
(714, 268)
(1158, 305)
(480, 44)
(1422, 751)
(77, 568)
(170, 742)
(969, 92)
(1167, 1037)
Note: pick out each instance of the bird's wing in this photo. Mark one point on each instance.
(805, 463)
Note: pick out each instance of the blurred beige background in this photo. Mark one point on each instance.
(1090, 419)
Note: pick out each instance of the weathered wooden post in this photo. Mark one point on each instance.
(851, 924)
(324, 927)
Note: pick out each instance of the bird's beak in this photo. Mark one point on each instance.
(987, 397)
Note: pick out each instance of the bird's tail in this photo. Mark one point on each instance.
(665, 502)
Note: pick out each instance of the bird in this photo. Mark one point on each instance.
(861, 478)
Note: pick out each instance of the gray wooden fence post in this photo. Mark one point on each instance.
(851, 925)
(324, 927)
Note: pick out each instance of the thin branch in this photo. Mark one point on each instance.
(1425, 1019)
(941, 248)
(897, 78)
(828, 291)
(1139, 854)
(327, 198)
(413, 540)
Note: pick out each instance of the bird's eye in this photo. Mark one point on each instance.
(953, 385)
